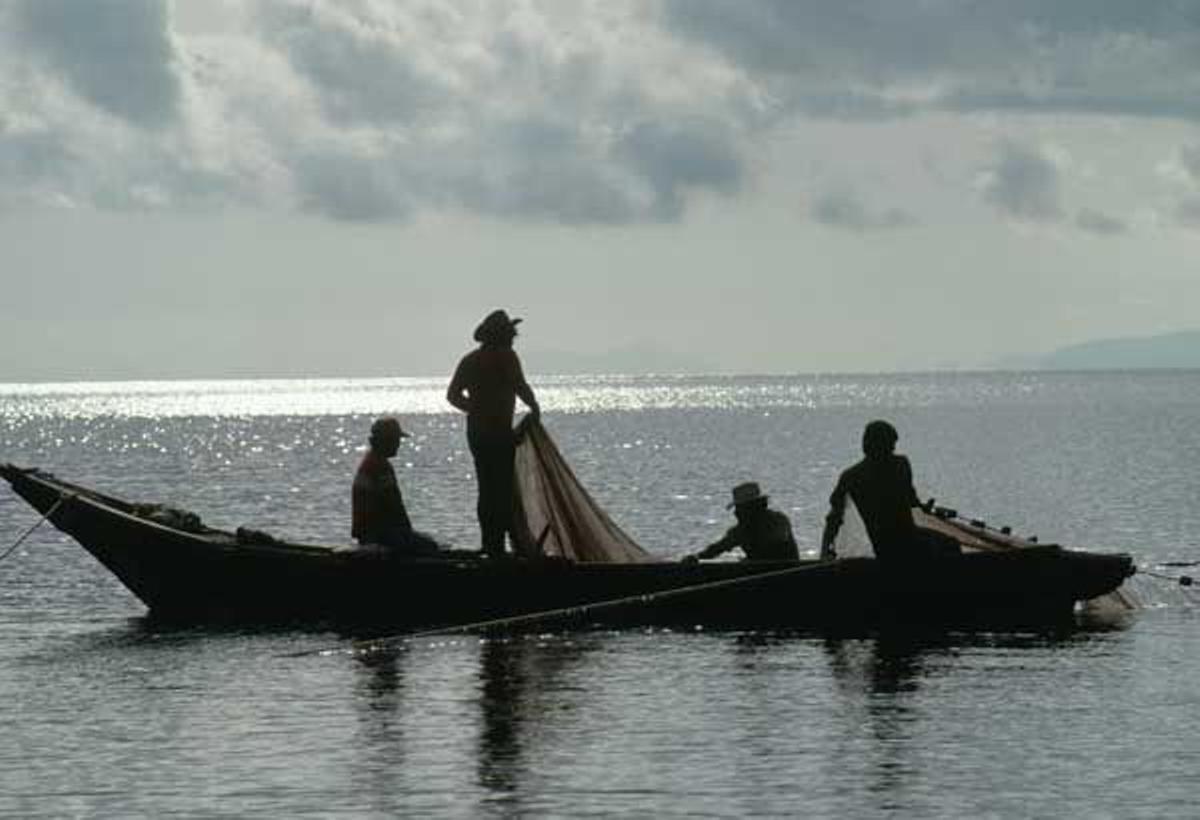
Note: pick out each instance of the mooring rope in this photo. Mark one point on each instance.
(1182, 580)
(53, 509)
(581, 610)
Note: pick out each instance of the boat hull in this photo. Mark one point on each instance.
(210, 577)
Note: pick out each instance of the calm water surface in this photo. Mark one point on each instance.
(105, 714)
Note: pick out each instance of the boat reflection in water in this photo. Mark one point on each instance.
(424, 706)
(904, 696)
(521, 685)
(468, 724)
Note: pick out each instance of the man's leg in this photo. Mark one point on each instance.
(489, 474)
(505, 498)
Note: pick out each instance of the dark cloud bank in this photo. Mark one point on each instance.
(115, 53)
(1023, 184)
(539, 121)
(883, 58)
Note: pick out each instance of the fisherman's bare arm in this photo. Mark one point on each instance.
(727, 542)
(833, 521)
(914, 499)
(525, 392)
(456, 393)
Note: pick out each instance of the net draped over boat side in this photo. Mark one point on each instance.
(554, 509)
(976, 538)
(852, 542)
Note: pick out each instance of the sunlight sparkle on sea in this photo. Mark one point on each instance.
(426, 396)
(408, 396)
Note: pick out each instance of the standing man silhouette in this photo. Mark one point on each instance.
(485, 386)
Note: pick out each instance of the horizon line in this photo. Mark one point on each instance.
(710, 374)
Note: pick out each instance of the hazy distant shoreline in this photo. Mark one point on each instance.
(1170, 351)
(1167, 351)
(533, 375)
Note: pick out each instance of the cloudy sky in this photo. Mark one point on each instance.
(344, 187)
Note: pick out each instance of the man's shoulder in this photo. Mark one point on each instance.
(498, 355)
(367, 462)
(780, 525)
(372, 467)
(779, 517)
(488, 357)
(854, 471)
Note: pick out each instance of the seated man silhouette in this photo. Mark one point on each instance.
(762, 533)
(881, 486)
(379, 516)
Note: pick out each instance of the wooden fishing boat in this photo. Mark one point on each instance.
(182, 570)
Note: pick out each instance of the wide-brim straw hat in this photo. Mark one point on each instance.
(494, 324)
(747, 493)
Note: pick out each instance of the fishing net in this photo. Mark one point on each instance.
(555, 515)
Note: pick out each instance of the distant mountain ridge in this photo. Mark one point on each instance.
(1168, 350)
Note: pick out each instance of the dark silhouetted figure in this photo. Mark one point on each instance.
(485, 386)
(881, 486)
(378, 512)
(762, 533)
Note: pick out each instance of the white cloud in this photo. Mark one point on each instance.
(365, 67)
(521, 111)
(362, 110)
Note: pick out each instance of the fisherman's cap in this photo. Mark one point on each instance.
(746, 493)
(387, 426)
(494, 324)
